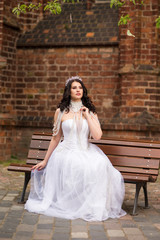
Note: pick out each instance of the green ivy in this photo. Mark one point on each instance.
(158, 22)
(55, 8)
(124, 20)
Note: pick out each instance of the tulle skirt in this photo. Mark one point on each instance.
(77, 184)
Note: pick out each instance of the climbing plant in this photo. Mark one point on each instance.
(55, 8)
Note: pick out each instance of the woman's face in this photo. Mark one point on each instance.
(76, 91)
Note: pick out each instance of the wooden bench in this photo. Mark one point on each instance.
(138, 161)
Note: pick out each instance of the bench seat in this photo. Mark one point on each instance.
(138, 161)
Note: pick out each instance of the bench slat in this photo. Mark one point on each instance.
(134, 162)
(37, 154)
(39, 144)
(137, 170)
(20, 168)
(127, 142)
(129, 151)
(42, 137)
(33, 161)
(135, 177)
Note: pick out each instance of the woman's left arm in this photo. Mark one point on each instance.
(93, 123)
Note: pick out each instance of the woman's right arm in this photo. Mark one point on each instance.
(53, 144)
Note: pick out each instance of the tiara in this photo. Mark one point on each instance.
(73, 78)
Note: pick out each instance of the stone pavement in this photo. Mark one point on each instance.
(18, 224)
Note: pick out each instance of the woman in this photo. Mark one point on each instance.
(76, 179)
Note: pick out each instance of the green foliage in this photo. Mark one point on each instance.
(124, 20)
(158, 22)
(53, 6)
(116, 3)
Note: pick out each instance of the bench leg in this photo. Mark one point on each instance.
(138, 187)
(145, 195)
(26, 181)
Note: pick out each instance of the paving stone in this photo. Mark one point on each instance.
(25, 234)
(130, 231)
(5, 204)
(61, 236)
(96, 227)
(140, 219)
(8, 198)
(79, 235)
(112, 225)
(3, 192)
(45, 226)
(96, 223)
(12, 221)
(97, 234)
(76, 228)
(115, 233)
(129, 225)
(4, 209)
(149, 228)
(45, 219)
(137, 237)
(62, 229)
(43, 237)
(5, 238)
(22, 238)
(2, 214)
(43, 232)
(119, 238)
(78, 238)
(152, 237)
(8, 229)
(6, 235)
(62, 223)
(79, 222)
(26, 228)
(17, 207)
(99, 238)
(30, 220)
(155, 219)
(150, 234)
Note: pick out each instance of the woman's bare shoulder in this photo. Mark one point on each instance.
(57, 111)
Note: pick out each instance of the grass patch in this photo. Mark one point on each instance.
(13, 159)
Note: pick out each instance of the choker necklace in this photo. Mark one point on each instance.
(75, 106)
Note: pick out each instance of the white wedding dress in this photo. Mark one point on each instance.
(79, 181)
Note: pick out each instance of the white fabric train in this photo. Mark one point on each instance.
(79, 181)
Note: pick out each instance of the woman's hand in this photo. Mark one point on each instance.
(94, 126)
(39, 166)
(85, 112)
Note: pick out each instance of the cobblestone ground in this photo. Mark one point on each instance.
(18, 224)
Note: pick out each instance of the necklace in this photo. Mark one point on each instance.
(75, 106)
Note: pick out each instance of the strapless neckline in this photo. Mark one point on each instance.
(71, 119)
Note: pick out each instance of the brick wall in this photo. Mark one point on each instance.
(139, 64)
(26, 21)
(10, 28)
(122, 82)
(41, 76)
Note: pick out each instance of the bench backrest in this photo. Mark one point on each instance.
(128, 156)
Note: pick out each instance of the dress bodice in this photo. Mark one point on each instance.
(75, 133)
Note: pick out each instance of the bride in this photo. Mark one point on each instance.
(76, 179)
